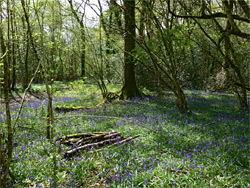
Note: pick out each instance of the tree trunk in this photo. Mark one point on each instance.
(8, 117)
(129, 89)
(225, 65)
(242, 95)
(107, 33)
(180, 97)
(49, 93)
(83, 37)
(83, 53)
(13, 51)
(26, 72)
(1, 163)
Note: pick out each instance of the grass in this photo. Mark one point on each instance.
(207, 149)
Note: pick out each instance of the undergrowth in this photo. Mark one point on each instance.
(207, 149)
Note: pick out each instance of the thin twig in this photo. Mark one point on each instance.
(210, 123)
(24, 95)
(94, 116)
(24, 127)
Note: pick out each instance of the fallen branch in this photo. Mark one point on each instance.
(92, 140)
(72, 108)
(88, 138)
(24, 127)
(125, 141)
(212, 122)
(99, 138)
(94, 116)
(85, 134)
(110, 97)
(71, 152)
(69, 108)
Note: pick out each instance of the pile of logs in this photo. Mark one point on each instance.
(82, 141)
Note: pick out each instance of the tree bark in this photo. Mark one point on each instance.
(83, 37)
(1, 158)
(129, 89)
(12, 17)
(230, 25)
(7, 109)
(26, 72)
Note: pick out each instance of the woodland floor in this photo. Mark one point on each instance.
(207, 149)
(30, 97)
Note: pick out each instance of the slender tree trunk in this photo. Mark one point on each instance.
(129, 89)
(8, 42)
(115, 7)
(53, 49)
(61, 73)
(13, 51)
(108, 66)
(1, 158)
(8, 117)
(242, 95)
(29, 32)
(83, 37)
(26, 72)
(83, 53)
(107, 33)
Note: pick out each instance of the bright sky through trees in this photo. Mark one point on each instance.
(91, 11)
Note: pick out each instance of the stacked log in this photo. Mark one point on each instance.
(93, 140)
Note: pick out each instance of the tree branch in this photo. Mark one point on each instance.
(234, 31)
(4, 55)
(210, 16)
(24, 95)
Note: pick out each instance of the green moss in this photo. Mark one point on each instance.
(69, 108)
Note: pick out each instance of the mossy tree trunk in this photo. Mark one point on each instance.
(230, 61)
(129, 89)
(181, 101)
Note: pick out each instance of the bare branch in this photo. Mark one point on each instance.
(210, 16)
(24, 95)
(4, 55)
(215, 15)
